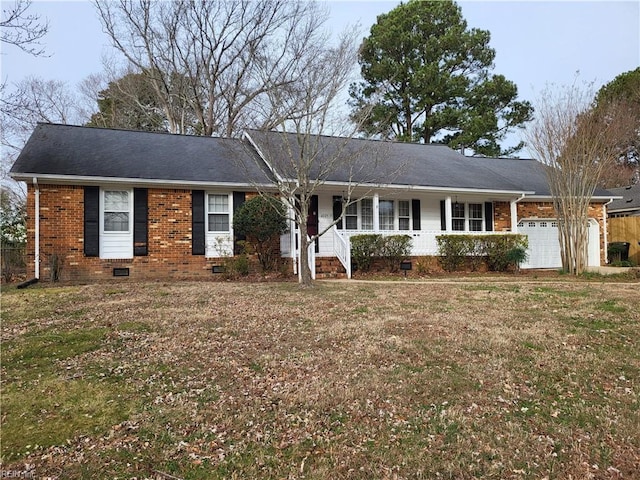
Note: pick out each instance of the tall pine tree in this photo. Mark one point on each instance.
(428, 78)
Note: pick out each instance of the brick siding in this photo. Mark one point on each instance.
(169, 232)
(62, 235)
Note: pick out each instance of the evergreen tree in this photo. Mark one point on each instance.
(427, 76)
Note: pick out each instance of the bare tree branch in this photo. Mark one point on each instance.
(213, 61)
(22, 29)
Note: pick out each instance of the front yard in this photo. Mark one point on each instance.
(519, 379)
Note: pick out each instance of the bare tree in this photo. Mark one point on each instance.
(576, 143)
(215, 60)
(311, 145)
(23, 29)
(33, 100)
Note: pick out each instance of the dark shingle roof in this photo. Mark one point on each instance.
(98, 152)
(72, 151)
(422, 165)
(630, 198)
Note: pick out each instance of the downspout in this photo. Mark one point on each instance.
(604, 222)
(514, 214)
(37, 232)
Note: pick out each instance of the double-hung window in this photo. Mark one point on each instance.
(404, 215)
(386, 214)
(218, 213)
(475, 217)
(117, 211)
(467, 217)
(366, 212)
(351, 216)
(457, 217)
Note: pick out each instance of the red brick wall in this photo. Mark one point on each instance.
(62, 234)
(502, 216)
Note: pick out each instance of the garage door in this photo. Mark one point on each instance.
(544, 246)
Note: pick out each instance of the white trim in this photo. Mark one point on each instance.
(263, 157)
(116, 244)
(91, 180)
(549, 198)
(101, 181)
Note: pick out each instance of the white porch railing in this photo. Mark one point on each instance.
(311, 257)
(342, 249)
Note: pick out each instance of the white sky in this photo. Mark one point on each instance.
(537, 43)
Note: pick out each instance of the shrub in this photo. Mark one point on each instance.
(394, 249)
(498, 247)
(498, 251)
(262, 220)
(453, 250)
(364, 248)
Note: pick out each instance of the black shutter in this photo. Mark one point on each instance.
(415, 213)
(313, 219)
(197, 222)
(443, 216)
(91, 221)
(140, 222)
(238, 200)
(337, 210)
(488, 216)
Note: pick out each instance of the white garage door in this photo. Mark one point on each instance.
(544, 246)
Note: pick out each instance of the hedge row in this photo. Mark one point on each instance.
(392, 249)
(498, 252)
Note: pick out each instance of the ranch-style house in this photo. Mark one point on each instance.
(106, 202)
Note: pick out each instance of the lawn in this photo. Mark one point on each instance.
(401, 380)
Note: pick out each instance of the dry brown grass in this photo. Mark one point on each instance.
(345, 380)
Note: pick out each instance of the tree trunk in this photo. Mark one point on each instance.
(304, 272)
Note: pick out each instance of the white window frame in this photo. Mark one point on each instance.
(479, 219)
(104, 211)
(361, 215)
(209, 212)
(459, 218)
(467, 219)
(406, 217)
(393, 216)
(116, 244)
(352, 211)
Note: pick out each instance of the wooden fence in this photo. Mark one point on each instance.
(626, 229)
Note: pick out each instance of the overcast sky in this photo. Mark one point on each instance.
(537, 43)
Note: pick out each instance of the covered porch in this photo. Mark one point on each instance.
(423, 215)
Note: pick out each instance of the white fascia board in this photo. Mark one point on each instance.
(88, 180)
(422, 188)
(549, 198)
(263, 157)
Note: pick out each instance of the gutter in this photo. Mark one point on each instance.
(37, 232)
(514, 213)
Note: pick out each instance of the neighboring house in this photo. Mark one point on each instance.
(106, 202)
(628, 205)
(624, 222)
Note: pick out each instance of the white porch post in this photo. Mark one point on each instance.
(376, 212)
(514, 216)
(448, 213)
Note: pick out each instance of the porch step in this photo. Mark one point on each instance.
(329, 268)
